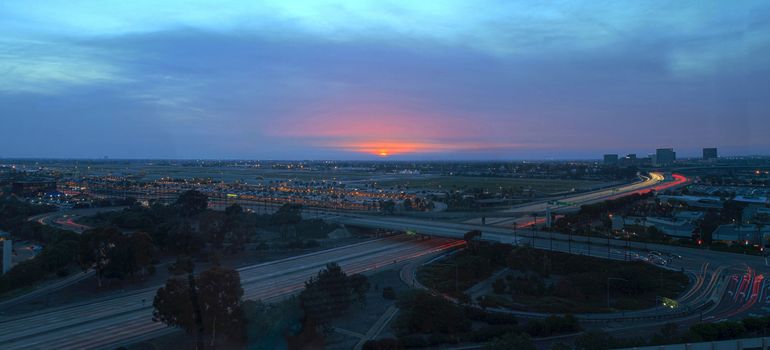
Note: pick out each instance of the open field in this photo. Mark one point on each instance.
(493, 184)
(148, 170)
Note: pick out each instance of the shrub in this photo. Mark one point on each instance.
(499, 286)
(422, 312)
(383, 344)
(487, 333)
(414, 341)
(389, 293)
(496, 318)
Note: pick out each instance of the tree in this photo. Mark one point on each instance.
(330, 294)
(383, 344)
(142, 252)
(499, 286)
(421, 312)
(213, 228)
(183, 240)
(518, 341)
(220, 292)
(97, 250)
(732, 211)
(267, 324)
(471, 238)
(216, 294)
(594, 340)
(236, 227)
(191, 203)
(287, 214)
(388, 206)
(708, 225)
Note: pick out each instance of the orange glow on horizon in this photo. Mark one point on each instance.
(394, 148)
(389, 130)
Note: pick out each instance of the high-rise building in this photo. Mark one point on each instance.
(664, 156)
(629, 159)
(709, 153)
(611, 159)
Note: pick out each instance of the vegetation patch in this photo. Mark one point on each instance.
(559, 282)
(458, 272)
(427, 320)
(546, 281)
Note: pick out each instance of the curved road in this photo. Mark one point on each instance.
(519, 214)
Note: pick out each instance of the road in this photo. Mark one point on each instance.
(520, 214)
(118, 319)
(726, 285)
(65, 219)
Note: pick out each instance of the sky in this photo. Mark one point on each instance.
(342, 79)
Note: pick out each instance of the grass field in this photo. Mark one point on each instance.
(492, 184)
(556, 282)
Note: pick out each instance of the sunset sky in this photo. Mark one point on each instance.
(366, 79)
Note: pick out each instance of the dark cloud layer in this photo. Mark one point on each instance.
(269, 94)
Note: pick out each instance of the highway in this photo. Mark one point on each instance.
(128, 316)
(65, 219)
(725, 285)
(520, 214)
(734, 284)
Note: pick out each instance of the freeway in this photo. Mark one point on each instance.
(128, 316)
(725, 285)
(65, 219)
(655, 181)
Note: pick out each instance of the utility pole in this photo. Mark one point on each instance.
(588, 240)
(609, 233)
(550, 235)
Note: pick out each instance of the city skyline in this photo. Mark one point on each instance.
(382, 80)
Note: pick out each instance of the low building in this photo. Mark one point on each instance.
(32, 188)
(752, 200)
(689, 215)
(693, 201)
(674, 227)
(754, 234)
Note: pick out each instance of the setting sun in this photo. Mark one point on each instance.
(383, 154)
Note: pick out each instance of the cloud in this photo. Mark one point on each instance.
(50, 67)
(335, 78)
